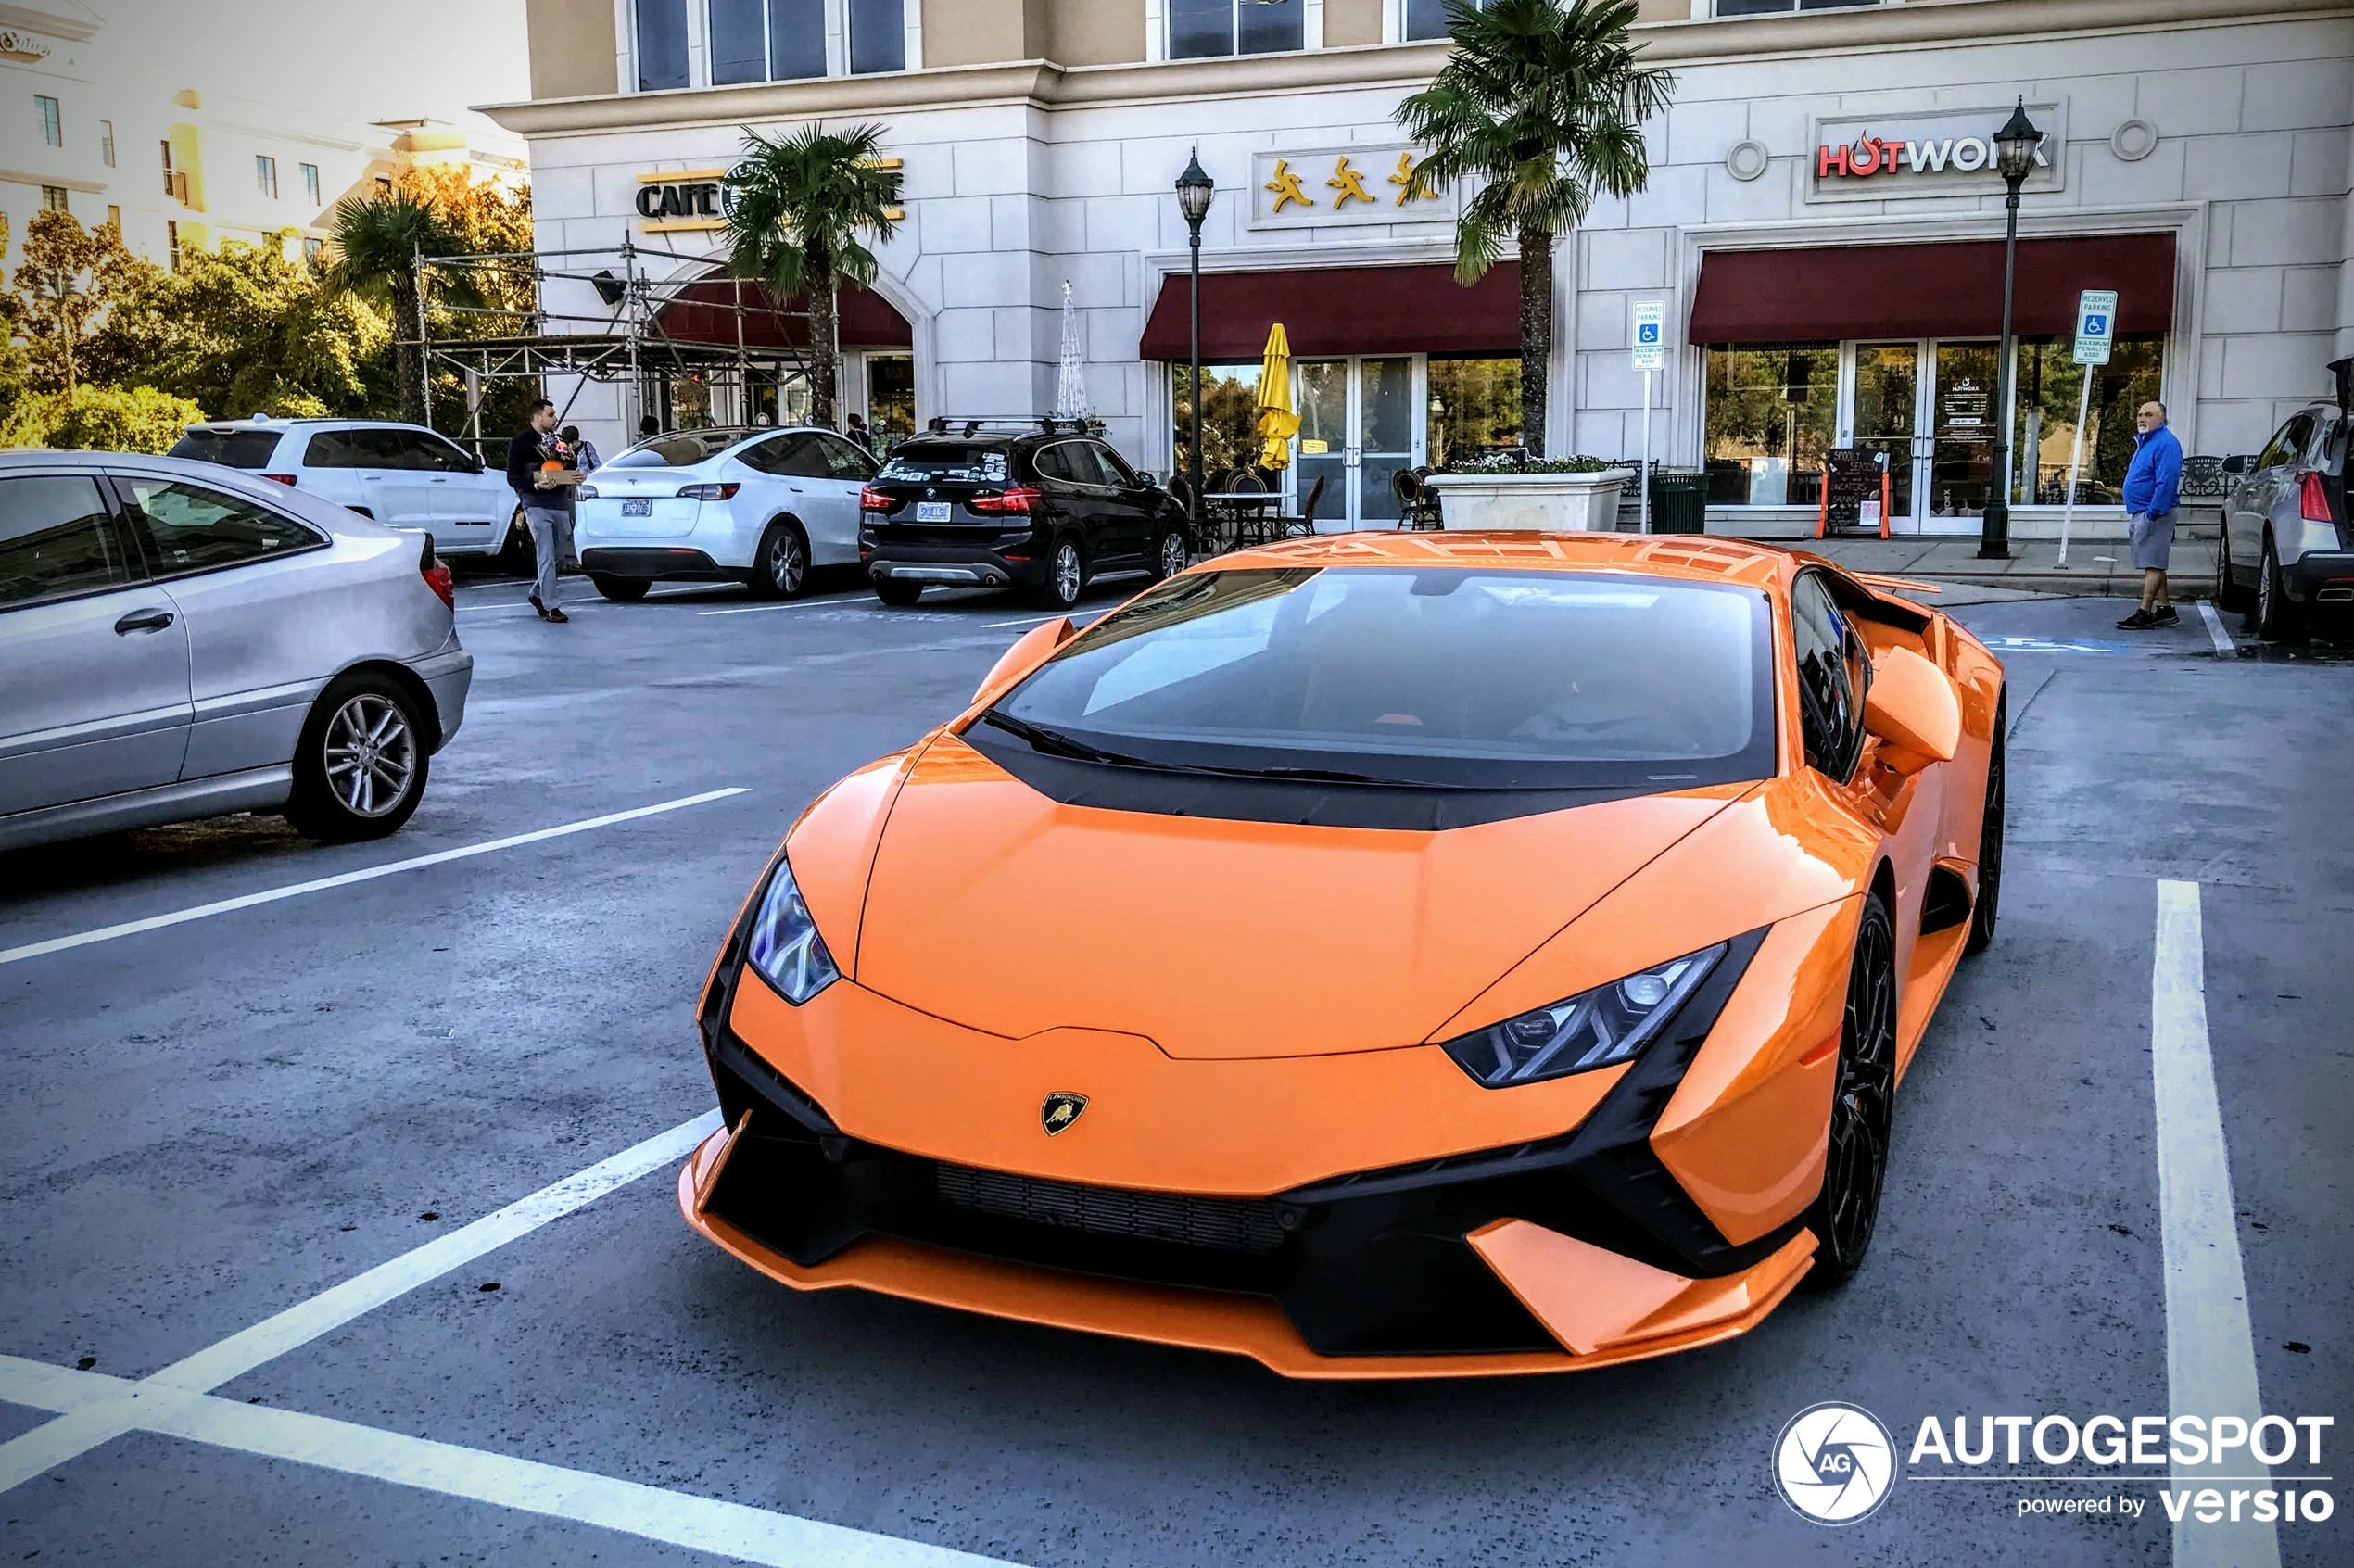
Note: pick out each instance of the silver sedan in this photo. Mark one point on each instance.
(2287, 545)
(180, 640)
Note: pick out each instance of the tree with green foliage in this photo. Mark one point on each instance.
(800, 203)
(377, 241)
(247, 331)
(1539, 105)
(70, 278)
(101, 418)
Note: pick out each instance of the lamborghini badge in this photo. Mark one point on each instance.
(1060, 1110)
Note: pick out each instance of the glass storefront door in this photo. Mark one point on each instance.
(1888, 385)
(1360, 420)
(1961, 456)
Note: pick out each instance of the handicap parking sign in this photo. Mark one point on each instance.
(1649, 321)
(2096, 310)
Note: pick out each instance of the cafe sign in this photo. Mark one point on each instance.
(685, 199)
(1941, 151)
(1361, 185)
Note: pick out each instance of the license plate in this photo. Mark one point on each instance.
(931, 511)
(636, 509)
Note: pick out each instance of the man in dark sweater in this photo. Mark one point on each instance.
(548, 514)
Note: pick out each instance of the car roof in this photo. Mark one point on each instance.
(306, 504)
(307, 423)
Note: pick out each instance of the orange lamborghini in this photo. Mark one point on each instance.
(1383, 955)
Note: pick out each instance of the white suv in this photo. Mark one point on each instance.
(403, 475)
(759, 506)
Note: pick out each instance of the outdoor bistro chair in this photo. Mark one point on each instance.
(1417, 503)
(1305, 524)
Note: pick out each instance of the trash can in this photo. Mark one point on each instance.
(1679, 500)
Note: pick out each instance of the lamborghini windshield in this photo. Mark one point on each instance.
(1444, 678)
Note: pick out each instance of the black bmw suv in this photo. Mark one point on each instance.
(1039, 504)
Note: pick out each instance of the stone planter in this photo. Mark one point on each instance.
(1549, 504)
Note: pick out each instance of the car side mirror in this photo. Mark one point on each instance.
(1031, 649)
(1911, 707)
(2238, 464)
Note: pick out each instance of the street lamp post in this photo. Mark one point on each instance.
(2015, 146)
(1195, 187)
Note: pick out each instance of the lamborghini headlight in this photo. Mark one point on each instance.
(1595, 1028)
(784, 944)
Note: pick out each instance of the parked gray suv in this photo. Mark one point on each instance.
(177, 639)
(2286, 542)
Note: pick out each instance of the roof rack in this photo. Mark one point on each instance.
(972, 424)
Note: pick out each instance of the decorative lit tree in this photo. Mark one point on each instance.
(1540, 106)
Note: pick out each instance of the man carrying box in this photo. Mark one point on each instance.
(540, 472)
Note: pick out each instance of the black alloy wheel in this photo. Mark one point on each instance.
(1066, 575)
(1990, 844)
(890, 591)
(1847, 1209)
(1172, 555)
(621, 590)
(2278, 618)
(782, 569)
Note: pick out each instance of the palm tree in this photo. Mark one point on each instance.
(1541, 105)
(799, 202)
(377, 240)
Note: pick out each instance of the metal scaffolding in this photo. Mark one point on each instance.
(626, 344)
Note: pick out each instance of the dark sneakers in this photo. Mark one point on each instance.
(2166, 616)
(2149, 620)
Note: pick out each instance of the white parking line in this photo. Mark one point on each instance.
(2210, 1351)
(88, 1423)
(270, 895)
(2215, 632)
(750, 1534)
(789, 604)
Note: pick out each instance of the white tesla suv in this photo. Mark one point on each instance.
(755, 506)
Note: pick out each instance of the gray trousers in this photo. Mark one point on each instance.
(552, 541)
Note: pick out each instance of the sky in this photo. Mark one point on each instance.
(356, 59)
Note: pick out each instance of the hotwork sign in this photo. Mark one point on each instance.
(2096, 325)
(1927, 153)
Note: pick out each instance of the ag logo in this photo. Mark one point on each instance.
(1835, 1463)
(1060, 1110)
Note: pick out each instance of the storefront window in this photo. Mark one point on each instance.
(1474, 408)
(1427, 18)
(2044, 429)
(661, 44)
(1201, 28)
(1772, 413)
(891, 398)
(1230, 421)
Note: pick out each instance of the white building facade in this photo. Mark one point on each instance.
(1819, 224)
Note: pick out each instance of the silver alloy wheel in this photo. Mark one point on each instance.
(787, 566)
(2268, 591)
(372, 755)
(1174, 556)
(1066, 572)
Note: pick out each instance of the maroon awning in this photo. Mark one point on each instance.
(1949, 290)
(699, 313)
(1340, 310)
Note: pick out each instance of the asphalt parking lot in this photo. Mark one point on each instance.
(254, 1310)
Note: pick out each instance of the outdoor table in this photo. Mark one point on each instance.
(1247, 509)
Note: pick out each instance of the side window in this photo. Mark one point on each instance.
(1116, 469)
(1830, 678)
(2284, 446)
(56, 539)
(843, 460)
(412, 451)
(2299, 436)
(1087, 464)
(195, 529)
(765, 457)
(336, 449)
(443, 456)
(803, 459)
(1054, 462)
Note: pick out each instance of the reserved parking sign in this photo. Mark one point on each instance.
(2096, 325)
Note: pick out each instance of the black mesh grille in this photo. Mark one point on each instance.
(1229, 1224)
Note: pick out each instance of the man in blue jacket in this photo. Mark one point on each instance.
(2150, 493)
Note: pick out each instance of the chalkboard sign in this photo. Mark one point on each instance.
(1854, 492)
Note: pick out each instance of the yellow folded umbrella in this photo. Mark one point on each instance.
(1277, 423)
